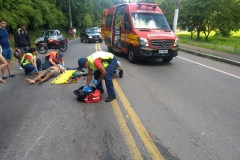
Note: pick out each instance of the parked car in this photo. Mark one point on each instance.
(53, 34)
(91, 35)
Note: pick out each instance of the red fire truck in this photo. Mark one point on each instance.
(139, 30)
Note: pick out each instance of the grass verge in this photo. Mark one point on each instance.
(215, 42)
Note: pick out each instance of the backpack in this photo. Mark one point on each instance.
(19, 29)
(91, 97)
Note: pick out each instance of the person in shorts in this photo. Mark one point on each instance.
(6, 49)
(46, 74)
(3, 63)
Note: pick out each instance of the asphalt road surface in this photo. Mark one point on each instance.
(187, 109)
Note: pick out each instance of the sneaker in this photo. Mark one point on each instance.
(20, 67)
(12, 75)
(110, 98)
(4, 77)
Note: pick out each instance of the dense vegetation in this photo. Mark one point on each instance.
(49, 14)
(198, 17)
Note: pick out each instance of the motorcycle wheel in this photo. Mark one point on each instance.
(42, 48)
(63, 47)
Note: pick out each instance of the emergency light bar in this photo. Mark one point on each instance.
(147, 5)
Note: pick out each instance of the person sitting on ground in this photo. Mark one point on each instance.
(46, 74)
(30, 63)
(103, 65)
(54, 58)
(3, 63)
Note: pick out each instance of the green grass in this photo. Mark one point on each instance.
(215, 42)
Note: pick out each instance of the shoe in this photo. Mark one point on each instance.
(4, 77)
(12, 75)
(20, 67)
(101, 90)
(110, 98)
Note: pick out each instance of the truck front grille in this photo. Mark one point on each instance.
(161, 43)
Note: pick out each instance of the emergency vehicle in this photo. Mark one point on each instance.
(139, 30)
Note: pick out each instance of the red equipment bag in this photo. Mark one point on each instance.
(91, 97)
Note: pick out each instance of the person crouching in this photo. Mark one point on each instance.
(30, 63)
(103, 64)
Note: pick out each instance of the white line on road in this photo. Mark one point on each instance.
(210, 67)
(39, 137)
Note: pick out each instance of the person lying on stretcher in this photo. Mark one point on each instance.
(46, 74)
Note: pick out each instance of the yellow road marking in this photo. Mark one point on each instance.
(132, 147)
(147, 140)
(98, 47)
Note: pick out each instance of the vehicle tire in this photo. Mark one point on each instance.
(132, 55)
(121, 73)
(86, 40)
(42, 48)
(63, 47)
(81, 39)
(167, 59)
(110, 49)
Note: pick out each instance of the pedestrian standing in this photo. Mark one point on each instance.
(103, 64)
(74, 31)
(69, 33)
(22, 41)
(3, 63)
(7, 50)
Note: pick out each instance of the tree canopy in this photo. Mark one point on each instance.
(198, 16)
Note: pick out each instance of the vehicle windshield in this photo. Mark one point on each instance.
(50, 33)
(92, 30)
(149, 21)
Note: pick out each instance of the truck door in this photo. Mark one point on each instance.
(117, 25)
(126, 33)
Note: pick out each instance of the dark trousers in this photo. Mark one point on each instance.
(29, 67)
(108, 77)
(47, 64)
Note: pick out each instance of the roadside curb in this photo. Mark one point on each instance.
(225, 60)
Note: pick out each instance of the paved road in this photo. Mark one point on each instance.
(189, 108)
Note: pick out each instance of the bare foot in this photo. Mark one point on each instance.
(40, 81)
(30, 81)
(2, 81)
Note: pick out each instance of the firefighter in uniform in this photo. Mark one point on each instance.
(103, 64)
(54, 58)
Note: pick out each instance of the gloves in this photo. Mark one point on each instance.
(86, 89)
(95, 82)
(36, 70)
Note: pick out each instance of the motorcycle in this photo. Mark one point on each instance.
(49, 43)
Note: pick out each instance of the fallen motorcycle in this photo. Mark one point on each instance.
(49, 43)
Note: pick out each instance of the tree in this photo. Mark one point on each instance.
(206, 16)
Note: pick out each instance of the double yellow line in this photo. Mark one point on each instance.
(144, 135)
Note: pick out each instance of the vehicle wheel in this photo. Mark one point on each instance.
(100, 42)
(86, 40)
(110, 49)
(42, 48)
(81, 39)
(132, 55)
(63, 47)
(167, 59)
(121, 73)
